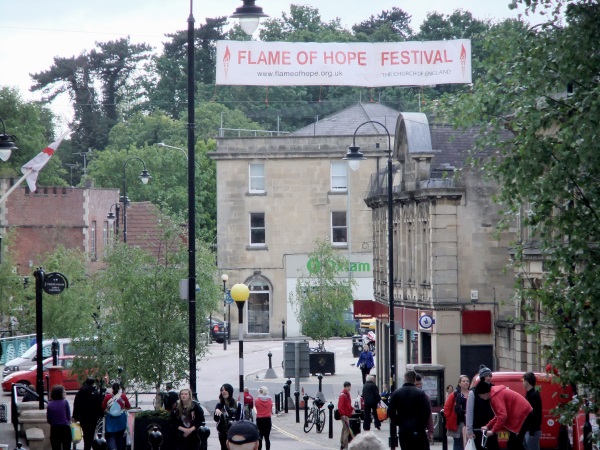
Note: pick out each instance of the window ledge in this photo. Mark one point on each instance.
(256, 194)
(339, 244)
(255, 247)
(338, 192)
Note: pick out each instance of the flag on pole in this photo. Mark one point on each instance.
(32, 168)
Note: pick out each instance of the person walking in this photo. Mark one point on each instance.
(58, 416)
(409, 409)
(371, 398)
(248, 405)
(365, 363)
(455, 409)
(510, 411)
(264, 407)
(479, 413)
(346, 410)
(227, 412)
(115, 420)
(87, 410)
(188, 417)
(533, 423)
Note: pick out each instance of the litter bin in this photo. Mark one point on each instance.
(355, 422)
(357, 345)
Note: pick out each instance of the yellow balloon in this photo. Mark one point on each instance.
(240, 292)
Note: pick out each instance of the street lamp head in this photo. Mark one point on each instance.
(145, 176)
(249, 15)
(224, 278)
(354, 156)
(110, 218)
(240, 293)
(7, 144)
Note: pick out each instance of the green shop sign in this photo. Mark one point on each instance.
(314, 266)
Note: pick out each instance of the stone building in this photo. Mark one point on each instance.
(277, 195)
(449, 261)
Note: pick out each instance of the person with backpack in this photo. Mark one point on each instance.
(188, 417)
(115, 420)
(455, 410)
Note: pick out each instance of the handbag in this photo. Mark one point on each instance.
(381, 412)
(470, 445)
(76, 433)
(336, 414)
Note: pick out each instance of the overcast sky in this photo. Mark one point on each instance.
(33, 32)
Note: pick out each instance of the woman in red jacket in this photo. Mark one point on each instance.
(264, 406)
(455, 409)
(510, 411)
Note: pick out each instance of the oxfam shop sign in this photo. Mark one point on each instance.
(314, 266)
(361, 266)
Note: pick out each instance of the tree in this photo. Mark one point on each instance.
(543, 87)
(388, 26)
(320, 298)
(142, 324)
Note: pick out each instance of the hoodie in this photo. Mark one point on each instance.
(263, 405)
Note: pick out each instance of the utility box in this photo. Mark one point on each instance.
(322, 362)
(289, 358)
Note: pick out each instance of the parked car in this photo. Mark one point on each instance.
(217, 330)
(29, 358)
(28, 377)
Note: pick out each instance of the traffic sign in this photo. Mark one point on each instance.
(54, 283)
(426, 321)
(228, 299)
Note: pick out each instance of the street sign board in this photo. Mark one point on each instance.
(228, 299)
(55, 283)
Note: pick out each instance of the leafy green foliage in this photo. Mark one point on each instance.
(321, 298)
(542, 86)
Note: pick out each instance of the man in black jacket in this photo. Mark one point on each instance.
(87, 409)
(409, 409)
(533, 423)
(371, 397)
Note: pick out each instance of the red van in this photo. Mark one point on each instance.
(552, 394)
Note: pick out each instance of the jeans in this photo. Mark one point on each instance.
(533, 442)
(370, 412)
(458, 444)
(116, 440)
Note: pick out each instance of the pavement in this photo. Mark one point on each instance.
(285, 425)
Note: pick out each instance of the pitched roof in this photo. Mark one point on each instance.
(346, 121)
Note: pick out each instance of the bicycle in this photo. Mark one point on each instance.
(316, 416)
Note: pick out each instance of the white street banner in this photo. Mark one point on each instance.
(254, 63)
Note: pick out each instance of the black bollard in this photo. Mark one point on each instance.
(587, 432)
(330, 408)
(19, 445)
(444, 431)
(203, 434)
(270, 355)
(305, 407)
(286, 395)
(297, 400)
(320, 377)
(283, 330)
(155, 438)
(99, 443)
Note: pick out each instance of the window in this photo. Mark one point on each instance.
(339, 228)
(93, 241)
(339, 176)
(258, 306)
(257, 228)
(257, 178)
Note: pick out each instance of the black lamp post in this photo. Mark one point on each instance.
(7, 144)
(240, 293)
(224, 279)
(352, 156)
(245, 13)
(113, 218)
(144, 176)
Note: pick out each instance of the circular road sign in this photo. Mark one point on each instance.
(55, 283)
(426, 321)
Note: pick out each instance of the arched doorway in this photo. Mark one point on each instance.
(259, 306)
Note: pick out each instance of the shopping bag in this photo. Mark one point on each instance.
(381, 411)
(470, 445)
(76, 434)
